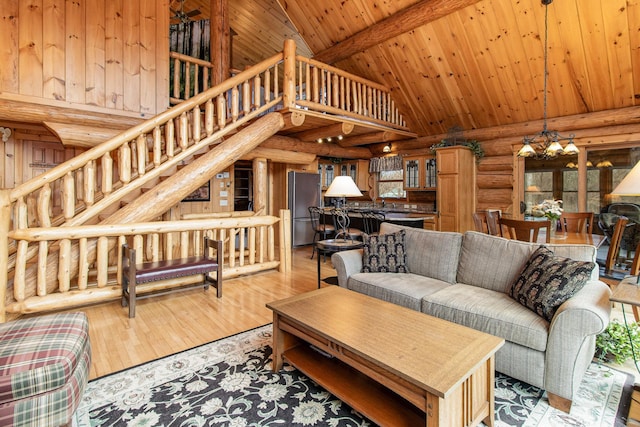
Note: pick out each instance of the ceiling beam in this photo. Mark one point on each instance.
(399, 23)
(579, 124)
(325, 150)
(343, 128)
(370, 138)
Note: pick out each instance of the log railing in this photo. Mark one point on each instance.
(249, 246)
(327, 89)
(189, 77)
(77, 191)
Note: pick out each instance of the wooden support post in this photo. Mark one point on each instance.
(5, 223)
(260, 186)
(289, 78)
(220, 41)
(285, 241)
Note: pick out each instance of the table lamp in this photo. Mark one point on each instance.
(630, 186)
(342, 187)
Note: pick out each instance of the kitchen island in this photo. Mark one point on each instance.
(426, 220)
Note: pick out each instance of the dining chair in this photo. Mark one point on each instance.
(320, 228)
(577, 222)
(493, 228)
(608, 273)
(635, 271)
(526, 231)
(480, 222)
(371, 221)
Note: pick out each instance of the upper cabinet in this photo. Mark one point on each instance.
(358, 170)
(327, 172)
(419, 173)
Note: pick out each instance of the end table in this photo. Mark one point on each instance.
(330, 246)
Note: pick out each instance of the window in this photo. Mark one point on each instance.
(390, 185)
(570, 190)
(538, 187)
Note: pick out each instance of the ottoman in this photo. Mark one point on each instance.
(44, 368)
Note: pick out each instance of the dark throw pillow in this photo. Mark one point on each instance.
(547, 281)
(384, 253)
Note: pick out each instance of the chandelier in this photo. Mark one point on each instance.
(546, 142)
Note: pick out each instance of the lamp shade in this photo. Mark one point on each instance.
(343, 186)
(630, 185)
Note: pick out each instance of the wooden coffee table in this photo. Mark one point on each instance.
(394, 365)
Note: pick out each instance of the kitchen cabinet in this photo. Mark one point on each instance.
(456, 195)
(327, 172)
(358, 170)
(419, 173)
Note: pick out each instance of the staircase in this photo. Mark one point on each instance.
(137, 176)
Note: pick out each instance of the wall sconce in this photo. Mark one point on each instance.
(387, 148)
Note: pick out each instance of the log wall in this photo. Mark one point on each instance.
(103, 53)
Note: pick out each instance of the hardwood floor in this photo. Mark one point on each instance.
(168, 324)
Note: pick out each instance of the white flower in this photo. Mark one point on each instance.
(308, 413)
(147, 419)
(272, 392)
(235, 382)
(549, 208)
(238, 422)
(211, 406)
(196, 386)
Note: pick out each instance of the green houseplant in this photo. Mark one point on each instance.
(614, 343)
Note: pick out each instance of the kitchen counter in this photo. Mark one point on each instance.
(410, 218)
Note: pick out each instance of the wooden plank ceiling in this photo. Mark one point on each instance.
(479, 66)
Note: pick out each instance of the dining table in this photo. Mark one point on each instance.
(572, 238)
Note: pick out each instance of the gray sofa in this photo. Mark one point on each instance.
(466, 279)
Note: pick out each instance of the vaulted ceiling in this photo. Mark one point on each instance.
(479, 66)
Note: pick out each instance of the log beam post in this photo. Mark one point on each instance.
(5, 224)
(220, 41)
(260, 186)
(289, 77)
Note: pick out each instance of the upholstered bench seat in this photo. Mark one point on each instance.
(44, 368)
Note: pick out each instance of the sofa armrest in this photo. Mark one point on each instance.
(346, 264)
(572, 332)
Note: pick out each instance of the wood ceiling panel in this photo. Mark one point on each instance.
(481, 66)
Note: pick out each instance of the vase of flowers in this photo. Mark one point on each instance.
(551, 209)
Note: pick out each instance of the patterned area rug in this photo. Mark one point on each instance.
(229, 383)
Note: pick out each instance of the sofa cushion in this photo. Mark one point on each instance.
(547, 281)
(492, 262)
(405, 289)
(493, 312)
(495, 263)
(384, 253)
(432, 254)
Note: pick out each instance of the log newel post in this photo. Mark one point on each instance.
(5, 224)
(260, 189)
(289, 78)
(285, 241)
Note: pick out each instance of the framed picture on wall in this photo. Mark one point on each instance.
(202, 194)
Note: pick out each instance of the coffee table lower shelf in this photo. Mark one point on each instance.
(370, 398)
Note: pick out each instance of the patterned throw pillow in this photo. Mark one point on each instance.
(547, 281)
(384, 253)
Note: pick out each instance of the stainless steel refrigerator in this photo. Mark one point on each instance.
(304, 191)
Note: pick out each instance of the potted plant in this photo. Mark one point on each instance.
(614, 344)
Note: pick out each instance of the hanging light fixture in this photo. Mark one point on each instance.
(387, 148)
(547, 142)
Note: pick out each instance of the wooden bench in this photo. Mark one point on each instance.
(134, 273)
